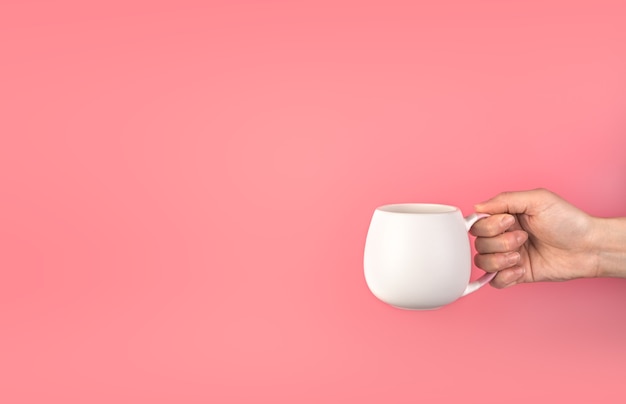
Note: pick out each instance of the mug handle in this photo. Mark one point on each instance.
(486, 278)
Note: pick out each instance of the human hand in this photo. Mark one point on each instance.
(534, 236)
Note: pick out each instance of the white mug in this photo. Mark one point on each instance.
(418, 256)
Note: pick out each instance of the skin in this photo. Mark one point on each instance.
(536, 236)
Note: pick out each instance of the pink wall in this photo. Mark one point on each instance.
(185, 190)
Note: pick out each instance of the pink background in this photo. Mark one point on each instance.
(185, 190)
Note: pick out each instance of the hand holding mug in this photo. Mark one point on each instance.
(535, 236)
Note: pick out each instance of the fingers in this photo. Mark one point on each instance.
(500, 239)
(496, 246)
(505, 242)
(497, 262)
(493, 225)
(509, 277)
(499, 252)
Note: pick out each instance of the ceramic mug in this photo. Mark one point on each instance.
(418, 256)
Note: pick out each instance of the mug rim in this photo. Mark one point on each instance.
(417, 208)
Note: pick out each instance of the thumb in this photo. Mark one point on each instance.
(515, 202)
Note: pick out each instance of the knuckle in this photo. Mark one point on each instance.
(497, 282)
(485, 262)
(481, 245)
(478, 261)
(544, 193)
(508, 242)
(494, 228)
(489, 227)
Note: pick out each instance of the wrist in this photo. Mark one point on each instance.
(608, 246)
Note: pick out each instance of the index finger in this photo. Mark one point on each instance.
(493, 225)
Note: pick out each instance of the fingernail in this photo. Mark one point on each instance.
(507, 221)
(512, 258)
(519, 272)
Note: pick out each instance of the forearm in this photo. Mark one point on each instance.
(610, 247)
